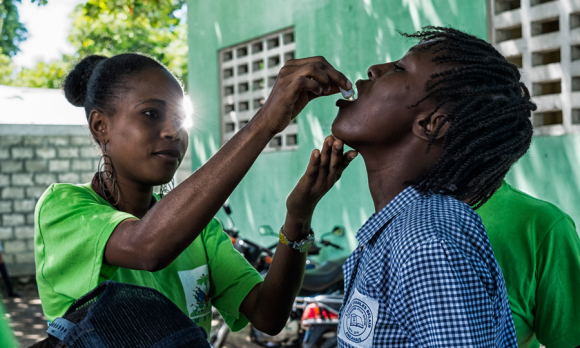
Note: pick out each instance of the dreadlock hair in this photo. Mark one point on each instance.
(488, 110)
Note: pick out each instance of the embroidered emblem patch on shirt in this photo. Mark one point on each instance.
(358, 320)
(196, 288)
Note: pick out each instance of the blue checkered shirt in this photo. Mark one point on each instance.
(428, 263)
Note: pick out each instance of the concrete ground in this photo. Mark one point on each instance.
(240, 339)
(25, 313)
(29, 324)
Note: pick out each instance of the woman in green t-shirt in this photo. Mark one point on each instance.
(116, 228)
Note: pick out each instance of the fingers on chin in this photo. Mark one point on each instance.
(328, 143)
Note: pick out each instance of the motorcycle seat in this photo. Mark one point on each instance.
(323, 277)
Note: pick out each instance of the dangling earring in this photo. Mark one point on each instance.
(106, 169)
(166, 188)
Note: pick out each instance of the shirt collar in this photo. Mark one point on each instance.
(378, 220)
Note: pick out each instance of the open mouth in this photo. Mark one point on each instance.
(343, 102)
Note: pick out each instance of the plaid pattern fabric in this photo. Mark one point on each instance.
(429, 264)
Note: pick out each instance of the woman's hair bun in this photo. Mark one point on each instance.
(76, 82)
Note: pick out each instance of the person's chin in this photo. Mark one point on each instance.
(343, 132)
(163, 175)
(336, 130)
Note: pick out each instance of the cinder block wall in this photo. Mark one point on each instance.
(31, 158)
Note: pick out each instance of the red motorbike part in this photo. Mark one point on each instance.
(315, 314)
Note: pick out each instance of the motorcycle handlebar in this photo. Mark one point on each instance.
(329, 243)
(231, 233)
(269, 249)
(259, 247)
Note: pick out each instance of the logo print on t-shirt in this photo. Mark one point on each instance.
(196, 288)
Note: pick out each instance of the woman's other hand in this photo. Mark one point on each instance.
(324, 169)
(300, 81)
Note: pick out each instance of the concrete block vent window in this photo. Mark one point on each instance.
(542, 37)
(248, 72)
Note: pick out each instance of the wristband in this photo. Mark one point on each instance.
(302, 245)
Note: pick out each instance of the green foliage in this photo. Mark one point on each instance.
(110, 27)
(105, 27)
(43, 75)
(12, 32)
(6, 69)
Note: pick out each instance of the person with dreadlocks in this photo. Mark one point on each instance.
(438, 130)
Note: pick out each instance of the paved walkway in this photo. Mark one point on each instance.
(29, 324)
(26, 318)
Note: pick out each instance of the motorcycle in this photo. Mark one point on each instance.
(259, 257)
(313, 321)
(320, 320)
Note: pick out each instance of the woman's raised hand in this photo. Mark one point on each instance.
(324, 169)
(300, 81)
(263, 305)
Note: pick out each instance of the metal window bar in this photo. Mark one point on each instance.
(247, 74)
(541, 38)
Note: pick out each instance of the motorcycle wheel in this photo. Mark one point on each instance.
(330, 343)
(219, 331)
(221, 336)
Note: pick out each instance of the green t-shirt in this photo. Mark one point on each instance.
(72, 227)
(538, 250)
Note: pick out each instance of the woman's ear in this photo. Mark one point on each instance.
(98, 126)
(425, 126)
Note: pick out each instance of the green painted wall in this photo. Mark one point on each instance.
(550, 171)
(352, 35)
